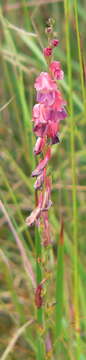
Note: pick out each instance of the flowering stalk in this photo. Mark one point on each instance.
(47, 114)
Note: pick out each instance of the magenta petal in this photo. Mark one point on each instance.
(53, 128)
(47, 97)
(56, 70)
(62, 114)
(55, 42)
(42, 164)
(47, 51)
(45, 82)
(40, 129)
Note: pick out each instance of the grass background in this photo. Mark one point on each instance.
(22, 33)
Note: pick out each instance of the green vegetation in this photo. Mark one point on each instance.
(58, 329)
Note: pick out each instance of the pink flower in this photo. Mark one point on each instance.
(42, 164)
(55, 42)
(39, 181)
(46, 97)
(39, 113)
(59, 101)
(39, 145)
(56, 70)
(45, 83)
(40, 129)
(46, 88)
(53, 128)
(47, 118)
(47, 51)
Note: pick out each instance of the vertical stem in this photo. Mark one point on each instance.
(59, 287)
(74, 188)
(40, 355)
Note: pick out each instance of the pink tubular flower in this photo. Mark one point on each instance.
(39, 145)
(39, 181)
(46, 88)
(47, 51)
(59, 101)
(46, 97)
(47, 119)
(42, 164)
(53, 128)
(55, 42)
(39, 114)
(45, 83)
(57, 72)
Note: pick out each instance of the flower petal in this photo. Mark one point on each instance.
(42, 164)
(39, 145)
(57, 72)
(45, 82)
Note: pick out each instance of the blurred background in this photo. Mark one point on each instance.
(22, 39)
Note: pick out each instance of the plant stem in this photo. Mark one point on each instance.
(40, 350)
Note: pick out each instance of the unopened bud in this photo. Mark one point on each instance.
(55, 42)
(47, 51)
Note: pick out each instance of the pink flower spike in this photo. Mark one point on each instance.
(57, 72)
(42, 164)
(55, 42)
(47, 51)
(39, 145)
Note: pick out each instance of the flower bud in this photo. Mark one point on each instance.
(47, 51)
(55, 42)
